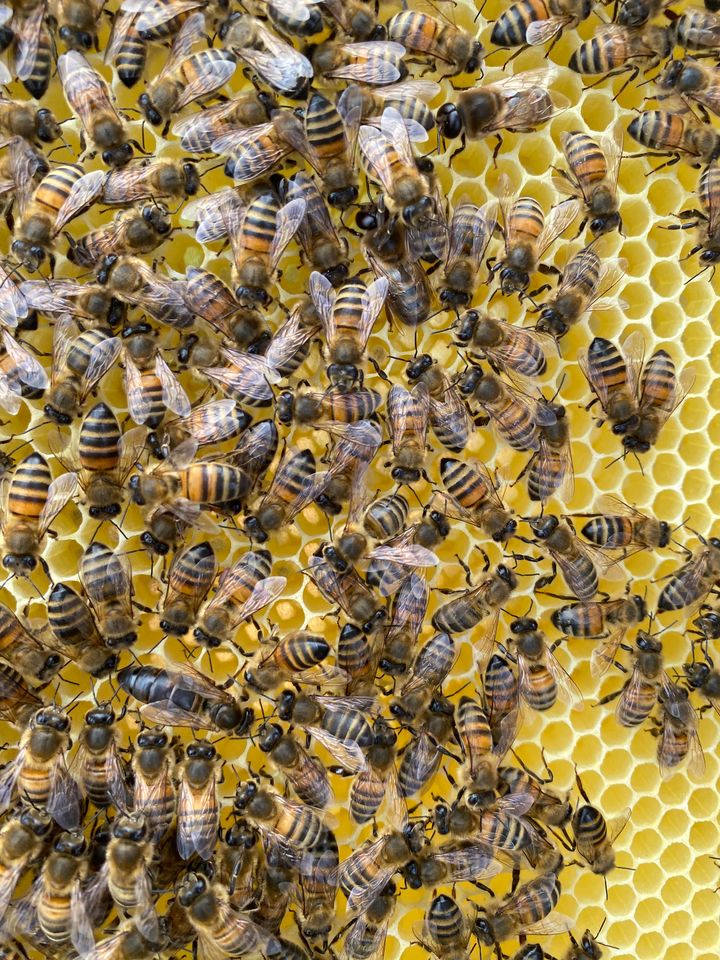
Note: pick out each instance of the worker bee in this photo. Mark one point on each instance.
(550, 468)
(467, 610)
(528, 910)
(640, 693)
(208, 297)
(295, 656)
(75, 633)
(406, 620)
(584, 287)
(595, 618)
(242, 590)
(80, 361)
(691, 81)
(21, 374)
(446, 930)
(349, 591)
(107, 580)
(528, 234)
(316, 233)
(706, 219)
(436, 39)
(368, 870)
(136, 230)
(33, 46)
(273, 59)
(377, 781)
(87, 302)
(198, 808)
(409, 295)
(507, 347)
(198, 132)
(594, 835)
(126, 50)
(153, 765)
(99, 770)
(186, 76)
(660, 392)
(295, 485)
(690, 584)
(581, 565)
(191, 575)
(23, 650)
(21, 841)
(306, 775)
(32, 501)
(18, 701)
(537, 21)
(519, 103)
(126, 943)
(33, 124)
(151, 387)
(409, 97)
(183, 696)
(430, 667)
(355, 19)
(618, 526)
(347, 316)
(340, 724)
(39, 773)
(541, 678)
(616, 49)
(373, 62)
(675, 134)
(471, 489)
(89, 97)
(613, 376)
(678, 739)
(697, 30)
(126, 872)
(447, 414)
(146, 179)
(253, 151)
(408, 411)
(77, 23)
(470, 231)
(593, 175)
(516, 418)
(367, 936)
(329, 143)
(318, 406)
(705, 679)
(421, 757)
(289, 825)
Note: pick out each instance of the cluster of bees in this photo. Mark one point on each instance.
(258, 411)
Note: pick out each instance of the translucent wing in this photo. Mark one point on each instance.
(217, 215)
(250, 162)
(556, 223)
(372, 69)
(264, 593)
(191, 30)
(482, 230)
(365, 862)
(393, 126)
(138, 401)
(213, 75)
(27, 42)
(174, 397)
(323, 296)
(8, 782)
(473, 862)
(29, 369)
(81, 930)
(102, 357)
(64, 801)
(83, 193)
(61, 490)
(612, 144)
(13, 305)
(377, 153)
(551, 926)
(288, 221)
(84, 89)
(568, 690)
(604, 654)
(283, 72)
(196, 823)
(540, 31)
(616, 825)
(288, 340)
(408, 411)
(347, 753)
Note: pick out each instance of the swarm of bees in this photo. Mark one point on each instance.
(295, 568)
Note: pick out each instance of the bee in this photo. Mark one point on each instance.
(347, 316)
(588, 948)
(39, 774)
(126, 50)
(519, 103)
(581, 564)
(430, 667)
(295, 17)
(409, 98)
(675, 134)
(75, 633)
(304, 773)
(32, 501)
(705, 679)
(21, 374)
(471, 489)
(693, 581)
(33, 47)
(421, 758)
(596, 618)
(375, 62)
(273, 59)
(584, 287)
(182, 696)
(697, 30)
(80, 361)
(408, 613)
(691, 81)
(148, 179)
(23, 650)
(367, 936)
(613, 377)
(537, 21)
(438, 40)
(289, 825)
(151, 387)
(615, 49)
(191, 575)
(329, 133)
(316, 233)
(660, 392)
(126, 872)
(217, 925)
(128, 943)
(594, 835)
(100, 771)
(88, 302)
(549, 806)
(447, 414)
(295, 485)
(21, 841)
(198, 808)
(295, 656)
(33, 124)
(640, 693)
(541, 678)
(508, 348)
(618, 526)
(153, 766)
(107, 580)
(368, 870)
(408, 411)
(446, 930)
(317, 406)
(550, 468)
(593, 175)
(467, 610)
(198, 132)
(77, 23)
(89, 98)
(18, 701)
(678, 739)
(254, 151)
(318, 883)
(516, 418)
(186, 76)
(528, 910)
(706, 219)
(377, 780)
(348, 591)
(136, 230)
(208, 297)
(340, 724)
(409, 295)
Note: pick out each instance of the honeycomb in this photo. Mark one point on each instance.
(661, 900)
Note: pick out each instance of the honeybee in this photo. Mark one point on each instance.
(148, 179)
(18, 119)
(706, 219)
(18, 701)
(191, 575)
(697, 30)
(295, 485)
(80, 361)
(366, 939)
(107, 580)
(537, 21)
(242, 590)
(640, 693)
(306, 774)
(198, 132)
(615, 49)
(409, 295)
(151, 387)
(691, 81)
(409, 98)
(470, 231)
(368, 870)
(581, 564)
(472, 490)
(613, 377)
(408, 411)
(318, 406)
(136, 230)
(373, 62)
(340, 724)
(677, 135)
(507, 347)
(377, 780)
(515, 417)
(77, 23)
(550, 468)
(186, 76)
(89, 98)
(39, 774)
(75, 633)
(153, 765)
(126, 50)
(705, 679)
(528, 234)
(618, 526)
(500, 699)
(430, 667)
(467, 610)
(183, 696)
(88, 302)
(289, 825)
(519, 103)
(347, 316)
(295, 656)
(594, 836)
(541, 678)
(198, 808)
(330, 133)
(406, 620)
(660, 392)
(585, 284)
(349, 591)
(21, 841)
(528, 910)
(438, 40)
(32, 501)
(126, 872)
(691, 583)
(594, 169)
(421, 757)
(21, 374)
(24, 651)
(33, 46)
(678, 735)
(128, 943)
(447, 414)
(355, 19)
(316, 233)
(277, 62)
(99, 770)
(208, 297)
(446, 930)
(596, 618)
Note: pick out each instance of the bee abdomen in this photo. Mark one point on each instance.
(585, 157)
(29, 487)
(510, 29)
(99, 442)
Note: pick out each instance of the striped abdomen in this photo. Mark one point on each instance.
(525, 221)
(586, 159)
(54, 189)
(416, 31)
(348, 310)
(464, 484)
(212, 483)
(99, 440)
(386, 517)
(616, 529)
(28, 491)
(324, 128)
(510, 29)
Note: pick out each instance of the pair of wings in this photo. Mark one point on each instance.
(139, 399)
(324, 295)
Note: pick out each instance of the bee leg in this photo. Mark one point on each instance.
(608, 698)
(457, 151)
(632, 75)
(496, 151)
(466, 568)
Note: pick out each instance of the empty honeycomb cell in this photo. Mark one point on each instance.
(648, 878)
(647, 911)
(667, 278)
(704, 936)
(536, 159)
(676, 892)
(678, 925)
(648, 945)
(693, 448)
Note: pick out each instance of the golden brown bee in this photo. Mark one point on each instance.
(594, 169)
(422, 755)
(438, 40)
(678, 740)
(594, 836)
(584, 286)
(23, 650)
(368, 870)
(409, 98)
(507, 347)
(516, 418)
(18, 701)
(198, 807)
(376, 782)
(446, 930)
(292, 825)
(153, 765)
(367, 935)
(75, 633)
(618, 526)
(447, 414)
(480, 767)
(697, 30)
(317, 234)
(21, 375)
(375, 62)
(20, 119)
(705, 679)
(355, 19)
(186, 76)
(78, 22)
(128, 943)
(304, 773)
(294, 656)
(329, 138)
(183, 696)
(469, 608)
(198, 132)
(675, 134)
(32, 501)
(550, 468)
(39, 772)
(541, 678)
(472, 490)
(596, 618)
(276, 61)
(537, 21)
(705, 220)
(409, 295)
(107, 580)
(59, 910)
(431, 665)
(89, 98)
(151, 387)
(80, 361)
(613, 377)
(294, 486)
(340, 725)
(693, 581)
(587, 948)
(191, 575)
(136, 230)
(660, 392)
(408, 412)
(640, 693)
(615, 49)
(126, 50)
(21, 842)
(33, 46)
(208, 297)
(470, 231)
(528, 910)
(349, 591)
(98, 767)
(518, 103)
(548, 806)
(406, 620)
(581, 564)
(691, 81)
(318, 406)
(88, 302)
(147, 179)
(127, 872)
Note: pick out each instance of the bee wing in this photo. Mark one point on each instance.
(217, 216)
(132, 445)
(473, 862)
(366, 939)
(556, 223)
(407, 410)
(27, 42)
(365, 862)
(540, 31)
(102, 357)
(393, 126)
(139, 405)
(323, 296)
(29, 369)
(8, 782)
(64, 801)
(13, 305)
(347, 753)
(616, 825)
(631, 699)
(8, 882)
(155, 14)
(242, 146)
(85, 90)
(555, 467)
(550, 926)
(410, 605)
(568, 690)
(604, 653)
(288, 220)
(377, 151)
(197, 819)
(483, 226)
(60, 491)
(373, 301)
(612, 146)
(283, 71)
(247, 376)
(682, 386)
(83, 193)
(81, 928)
(264, 593)
(371, 68)
(174, 397)
(146, 919)
(214, 74)
(124, 24)
(191, 30)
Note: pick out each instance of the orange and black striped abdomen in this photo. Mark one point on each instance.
(474, 728)
(291, 478)
(525, 221)
(28, 491)
(54, 189)
(132, 56)
(465, 485)
(606, 365)
(99, 441)
(416, 31)
(38, 81)
(259, 225)
(658, 381)
(324, 128)
(191, 568)
(589, 825)
(586, 159)
(68, 616)
(631, 712)
(348, 309)
(600, 54)
(510, 29)
(659, 129)
(500, 688)
(212, 483)
(603, 530)
(540, 690)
